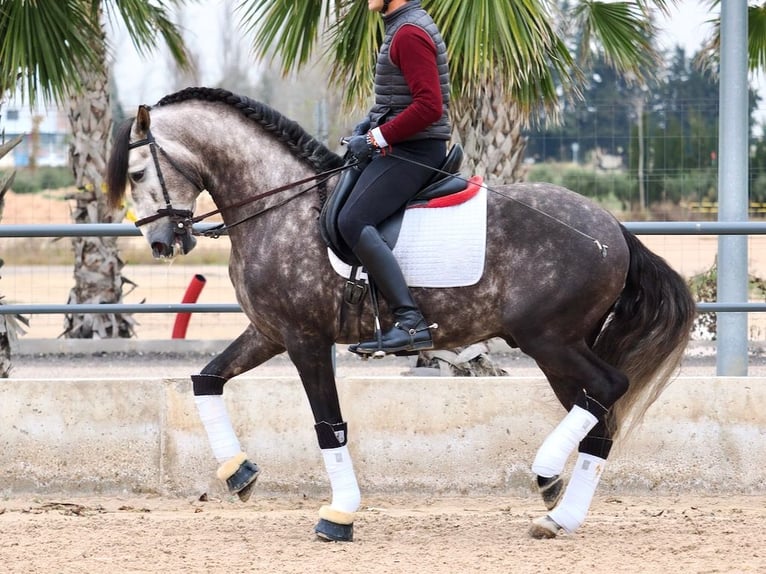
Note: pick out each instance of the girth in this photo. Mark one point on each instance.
(444, 182)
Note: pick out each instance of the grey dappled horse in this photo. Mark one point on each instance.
(605, 319)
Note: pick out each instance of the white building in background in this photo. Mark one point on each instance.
(46, 134)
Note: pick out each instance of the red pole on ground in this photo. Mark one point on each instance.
(192, 292)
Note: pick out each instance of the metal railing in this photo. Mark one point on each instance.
(129, 230)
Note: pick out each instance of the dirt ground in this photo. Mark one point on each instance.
(60, 534)
(689, 534)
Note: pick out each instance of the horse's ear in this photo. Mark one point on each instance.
(143, 121)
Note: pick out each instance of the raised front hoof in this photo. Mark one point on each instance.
(333, 532)
(543, 527)
(246, 492)
(551, 489)
(240, 475)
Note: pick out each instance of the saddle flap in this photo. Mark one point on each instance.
(443, 182)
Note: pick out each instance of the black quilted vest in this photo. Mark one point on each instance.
(392, 95)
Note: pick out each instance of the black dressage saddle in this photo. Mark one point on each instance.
(445, 181)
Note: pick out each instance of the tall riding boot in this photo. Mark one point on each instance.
(410, 331)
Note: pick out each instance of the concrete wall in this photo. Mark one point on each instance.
(420, 435)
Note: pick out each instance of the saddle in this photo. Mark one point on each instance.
(443, 183)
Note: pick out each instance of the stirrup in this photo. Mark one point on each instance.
(380, 350)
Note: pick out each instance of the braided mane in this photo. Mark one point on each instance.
(298, 141)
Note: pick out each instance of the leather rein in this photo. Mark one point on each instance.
(183, 220)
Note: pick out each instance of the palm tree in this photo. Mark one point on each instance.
(10, 325)
(35, 35)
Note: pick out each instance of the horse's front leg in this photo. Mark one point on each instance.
(314, 363)
(247, 351)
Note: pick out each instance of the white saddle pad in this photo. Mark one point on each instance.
(439, 246)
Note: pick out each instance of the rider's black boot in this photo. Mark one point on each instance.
(410, 332)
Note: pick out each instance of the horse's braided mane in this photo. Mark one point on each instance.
(299, 142)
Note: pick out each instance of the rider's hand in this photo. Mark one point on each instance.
(360, 146)
(362, 127)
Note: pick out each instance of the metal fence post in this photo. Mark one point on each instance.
(731, 356)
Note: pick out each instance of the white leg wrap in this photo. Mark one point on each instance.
(345, 490)
(562, 442)
(573, 508)
(220, 433)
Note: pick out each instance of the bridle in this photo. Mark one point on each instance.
(183, 220)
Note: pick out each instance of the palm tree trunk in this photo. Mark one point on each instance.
(10, 327)
(490, 131)
(97, 266)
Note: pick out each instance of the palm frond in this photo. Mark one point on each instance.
(508, 44)
(288, 30)
(44, 46)
(146, 22)
(622, 31)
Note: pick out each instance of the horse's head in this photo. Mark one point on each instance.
(163, 183)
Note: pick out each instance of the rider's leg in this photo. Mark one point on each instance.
(384, 186)
(410, 331)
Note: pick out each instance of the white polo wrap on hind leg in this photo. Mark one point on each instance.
(555, 450)
(220, 432)
(573, 508)
(345, 490)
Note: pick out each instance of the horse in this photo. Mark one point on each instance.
(605, 319)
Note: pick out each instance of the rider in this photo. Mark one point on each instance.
(411, 114)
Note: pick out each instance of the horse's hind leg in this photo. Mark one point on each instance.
(588, 390)
(313, 359)
(247, 351)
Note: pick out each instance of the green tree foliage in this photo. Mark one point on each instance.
(678, 135)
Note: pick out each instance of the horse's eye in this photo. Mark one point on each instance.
(136, 176)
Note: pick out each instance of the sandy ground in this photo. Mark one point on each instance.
(627, 534)
(471, 534)
(62, 534)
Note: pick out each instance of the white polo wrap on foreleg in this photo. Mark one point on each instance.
(220, 432)
(555, 450)
(573, 508)
(345, 490)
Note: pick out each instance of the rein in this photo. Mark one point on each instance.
(183, 219)
(216, 231)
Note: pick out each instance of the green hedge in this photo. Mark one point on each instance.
(693, 185)
(42, 178)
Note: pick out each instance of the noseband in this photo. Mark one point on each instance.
(180, 218)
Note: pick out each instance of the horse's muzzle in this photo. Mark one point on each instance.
(166, 244)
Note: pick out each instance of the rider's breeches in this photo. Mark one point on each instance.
(386, 184)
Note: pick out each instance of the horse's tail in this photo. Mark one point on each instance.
(647, 331)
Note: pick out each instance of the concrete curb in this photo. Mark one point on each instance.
(418, 435)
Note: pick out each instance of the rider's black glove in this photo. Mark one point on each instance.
(362, 127)
(361, 147)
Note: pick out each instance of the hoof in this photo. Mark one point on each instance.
(334, 532)
(246, 491)
(240, 475)
(551, 489)
(544, 527)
